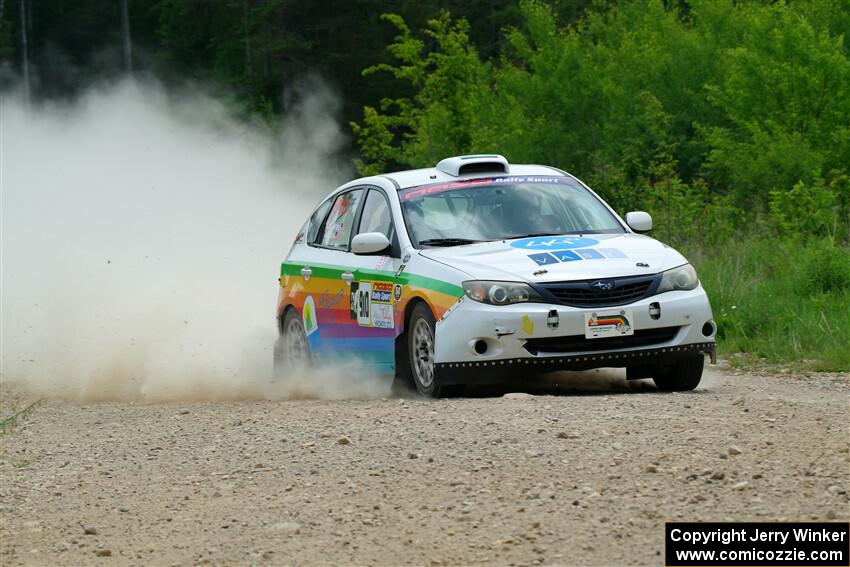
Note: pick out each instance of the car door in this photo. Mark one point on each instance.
(375, 290)
(324, 272)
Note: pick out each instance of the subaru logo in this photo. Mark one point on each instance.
(602, 285)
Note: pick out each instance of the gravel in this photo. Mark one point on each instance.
(572, 474)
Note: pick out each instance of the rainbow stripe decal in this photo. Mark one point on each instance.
(358, 320)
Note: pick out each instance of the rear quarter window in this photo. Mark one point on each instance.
(316, 221)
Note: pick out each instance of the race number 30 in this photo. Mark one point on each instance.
(361, 299)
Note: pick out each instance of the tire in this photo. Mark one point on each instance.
(420, 351)
(681, 376)
(291, 350)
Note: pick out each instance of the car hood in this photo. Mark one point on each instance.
(560, 258)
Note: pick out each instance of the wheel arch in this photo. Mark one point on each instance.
(281, 315)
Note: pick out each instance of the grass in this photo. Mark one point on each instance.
(783, 301)
(8, 423)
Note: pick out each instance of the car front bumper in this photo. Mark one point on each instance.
(538, 337)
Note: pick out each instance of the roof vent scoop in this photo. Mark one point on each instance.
(465, 165)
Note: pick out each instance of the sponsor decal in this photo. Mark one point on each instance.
(611, 253)
(556, 256)
(590, 254)
(328, 301)
(566, 256)
(530, 179)
(397, 292)
(543, 259)
(527, 325)
(550, 243)
(381, 262)
(308, 314)
(372, 304)
(618, 321)
(610, 324)
(423, 190)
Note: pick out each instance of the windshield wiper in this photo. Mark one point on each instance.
(533, 234)
(448, 241)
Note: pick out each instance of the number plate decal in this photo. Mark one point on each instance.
(608, 323)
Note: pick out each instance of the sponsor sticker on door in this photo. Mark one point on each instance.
(372, 304)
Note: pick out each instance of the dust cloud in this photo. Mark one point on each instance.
(142, 232)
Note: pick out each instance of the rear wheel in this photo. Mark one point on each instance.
(684, 374)
(291, 351)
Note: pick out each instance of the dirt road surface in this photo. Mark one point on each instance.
(567, 475)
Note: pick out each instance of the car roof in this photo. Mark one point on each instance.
(452, 169)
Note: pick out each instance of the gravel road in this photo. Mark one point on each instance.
(583, 472)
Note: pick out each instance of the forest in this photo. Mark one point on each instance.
(728, 121)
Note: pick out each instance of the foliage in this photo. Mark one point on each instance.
(730, 122)
(445, 82)
(254, 53)
(747, 99)
(763, 308)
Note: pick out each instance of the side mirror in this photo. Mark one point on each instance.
(369, 243)
(639, 221)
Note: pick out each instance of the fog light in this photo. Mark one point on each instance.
(655, 310)
(480, 346)
(708, 329)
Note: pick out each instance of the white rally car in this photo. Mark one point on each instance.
(481, 271)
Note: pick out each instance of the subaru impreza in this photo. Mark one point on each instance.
(480, 271)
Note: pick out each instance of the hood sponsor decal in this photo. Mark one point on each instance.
(566, 256)
(553, 243)
(612, 253)
(558, 256)
(544, 259)
(590, 254)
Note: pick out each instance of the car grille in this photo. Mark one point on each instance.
(579, 343)
(582, 294)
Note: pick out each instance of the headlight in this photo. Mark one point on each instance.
(500, 293)
(681, 278)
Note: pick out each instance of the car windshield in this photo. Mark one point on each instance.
(501, 208)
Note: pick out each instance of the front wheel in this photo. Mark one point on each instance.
(291, 351)
(420, 352)
(684, 374)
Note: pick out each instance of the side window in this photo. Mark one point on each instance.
(376, 215)
(336, 232)
(316, 221)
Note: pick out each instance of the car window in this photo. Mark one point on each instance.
(376, 215)
(316, 221)
(504, 208)
(336, 232)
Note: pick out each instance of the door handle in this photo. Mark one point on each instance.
(347, 277)
(306, 272)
